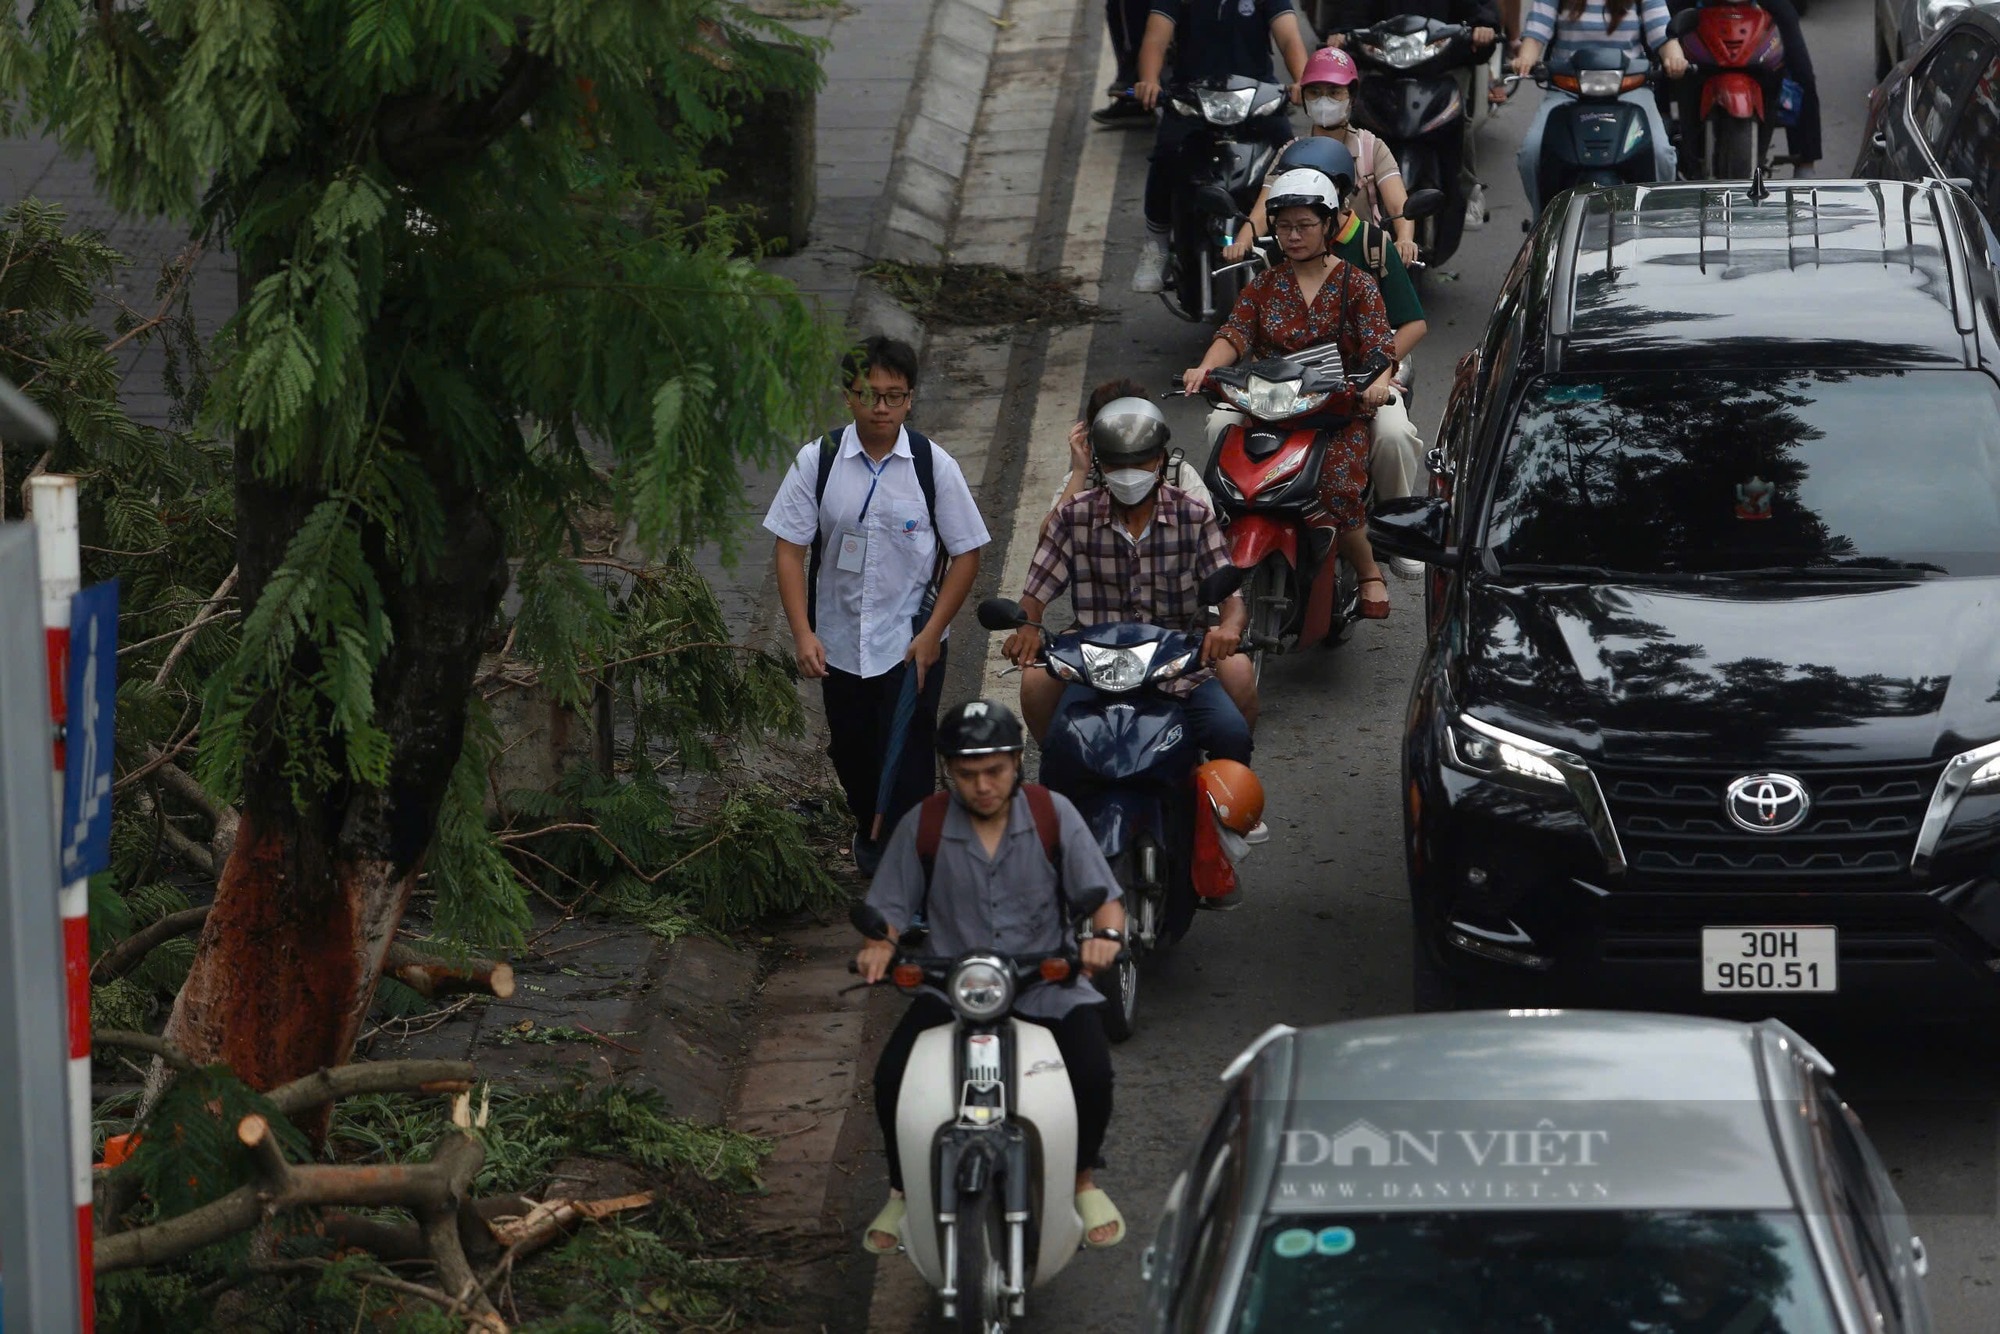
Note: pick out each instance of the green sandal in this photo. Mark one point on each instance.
(1096, 1209)
(889, 1221)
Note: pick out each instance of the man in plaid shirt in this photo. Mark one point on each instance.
(1136, 549)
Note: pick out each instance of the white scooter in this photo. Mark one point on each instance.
(986, 1127)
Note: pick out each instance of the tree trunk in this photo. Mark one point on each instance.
(311, 896)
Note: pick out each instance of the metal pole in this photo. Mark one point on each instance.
(43, 1281)
(52, 501)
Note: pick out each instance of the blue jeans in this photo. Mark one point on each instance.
(1529, 159)
(1218, 724)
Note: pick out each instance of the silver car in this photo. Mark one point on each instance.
(1529, 1171)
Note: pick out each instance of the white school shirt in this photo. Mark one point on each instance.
(864, 616)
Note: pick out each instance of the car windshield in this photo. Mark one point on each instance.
(1535, 1273)
(1771, 474)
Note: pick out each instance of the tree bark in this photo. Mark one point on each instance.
(313, 890)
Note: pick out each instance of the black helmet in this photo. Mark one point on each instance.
(1327, 156)
(979, 727)
(1127, 430)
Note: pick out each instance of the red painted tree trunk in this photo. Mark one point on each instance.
(312, 894)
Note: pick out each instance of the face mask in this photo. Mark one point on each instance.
(1327, 112)
(1129, 486)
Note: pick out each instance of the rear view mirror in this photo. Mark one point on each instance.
(1217, 201)
(869, 921)
(1001, 614)
(1221, 584)
(1423, 203)
(1415, 528)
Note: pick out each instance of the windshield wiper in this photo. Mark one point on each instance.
(1863, 569)
(1597, 573)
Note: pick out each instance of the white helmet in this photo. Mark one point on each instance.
(1303, 187)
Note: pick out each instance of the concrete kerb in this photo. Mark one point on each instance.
(937, 130)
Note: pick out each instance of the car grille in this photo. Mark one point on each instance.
(1861, 830)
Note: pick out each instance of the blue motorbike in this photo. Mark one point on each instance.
(1127, 759)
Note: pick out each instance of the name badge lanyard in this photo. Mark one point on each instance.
(853, 542)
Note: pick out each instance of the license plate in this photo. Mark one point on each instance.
(1769, 958)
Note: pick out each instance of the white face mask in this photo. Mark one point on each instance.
(1327, 112)
(1129, 486)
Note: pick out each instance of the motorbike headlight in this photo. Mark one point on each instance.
(1600, 82)
(1226, 106)
(1933, 14)
(980, 989)
(1172, 667)
(1406, 49)
(1116, 668)
(1488, 751)
(1273, 400)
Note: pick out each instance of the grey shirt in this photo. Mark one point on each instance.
(1005, 903)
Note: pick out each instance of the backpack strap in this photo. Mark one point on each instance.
(829, 450)
(930, 836)
(1048, 828)
(925, 462)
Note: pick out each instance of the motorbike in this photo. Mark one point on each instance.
(1411, 98)
(1220, 175)
(1129, 762)
(1739, 57)
(986, 1122)
(1264, 476)
(1593, 138)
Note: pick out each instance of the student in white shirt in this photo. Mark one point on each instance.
(878, 543)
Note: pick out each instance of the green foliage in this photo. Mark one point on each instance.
(188, 1153)
(650, 1282)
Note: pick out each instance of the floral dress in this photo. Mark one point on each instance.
(1271, 318)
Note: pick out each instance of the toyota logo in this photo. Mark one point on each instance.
(1767, 803)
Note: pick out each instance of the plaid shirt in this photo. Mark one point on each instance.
(1111, 578)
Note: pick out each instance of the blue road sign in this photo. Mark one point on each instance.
(93, 694)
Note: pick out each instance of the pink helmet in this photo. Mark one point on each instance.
(1332, 65)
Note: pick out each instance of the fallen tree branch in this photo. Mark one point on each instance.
(146, 1042)
(551, 1219)
(211, 610)
(431, 977)
(347, 1081)
(130, 952)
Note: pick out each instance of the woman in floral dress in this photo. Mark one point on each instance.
(1312, 299)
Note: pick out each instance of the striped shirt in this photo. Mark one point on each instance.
(1562, 37)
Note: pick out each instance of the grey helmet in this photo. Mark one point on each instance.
(1126, 431)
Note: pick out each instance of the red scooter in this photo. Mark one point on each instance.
(1739, 60)
(1264, 476)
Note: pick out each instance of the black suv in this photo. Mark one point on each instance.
(1711, 702)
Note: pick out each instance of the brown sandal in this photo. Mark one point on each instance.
(1372, 611)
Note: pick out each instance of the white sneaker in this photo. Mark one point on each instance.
(1259, 833)
(1475, 208)
(1405, 568)
(1151, 275)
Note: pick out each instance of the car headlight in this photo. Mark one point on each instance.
(1273, 400)
(1480, 748)
(1226, 106)
(1600, 82)
(1116, 668)
(980, 989)
(1933, 14)
(1171, 668)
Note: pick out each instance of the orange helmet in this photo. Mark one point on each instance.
(1235, 793)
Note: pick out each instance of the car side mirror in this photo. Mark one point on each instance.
(1683, 23)
(1086, 902)
(869, 921)
(1221, 584)
(1414, 527)
(1423, 204)
(1002, 614)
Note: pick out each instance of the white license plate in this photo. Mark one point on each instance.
(1769, 958)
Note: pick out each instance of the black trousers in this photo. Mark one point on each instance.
(1079, 1037)
(1126, 20)
(859, 714)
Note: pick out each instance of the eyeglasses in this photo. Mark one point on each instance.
(1295, 228)
(867, 396)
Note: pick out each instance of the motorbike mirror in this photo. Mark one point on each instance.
(1001, 614)
(1085, 903)
(1221, 584)
(869, 921)
(1414, 527)
(1683, 23)
(1423, 203)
